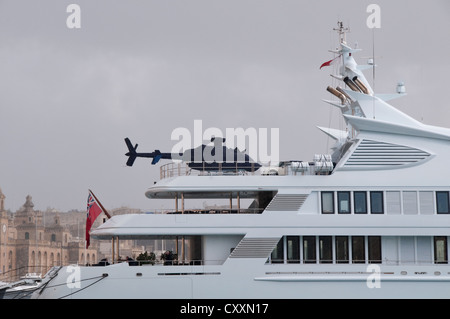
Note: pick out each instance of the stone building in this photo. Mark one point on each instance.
(28, 244)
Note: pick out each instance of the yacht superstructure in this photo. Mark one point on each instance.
(370, 220)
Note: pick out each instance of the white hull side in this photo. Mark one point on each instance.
(245, 280)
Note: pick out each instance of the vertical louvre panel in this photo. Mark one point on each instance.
(393, 206)
(426, 203)
(410, 203)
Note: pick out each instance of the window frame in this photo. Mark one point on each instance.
(359, 241)
(312, 257)
(372, 202)
(445, 249)
(355, 206)
(277, 255)
(325, 249)
(439, 203)
(293, 252)
(374, 252)
(322, 202)
(342, 249)
(339, 202)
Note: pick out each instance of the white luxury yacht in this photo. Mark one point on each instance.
(369, 220)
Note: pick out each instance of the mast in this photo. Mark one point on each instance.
(342, 31)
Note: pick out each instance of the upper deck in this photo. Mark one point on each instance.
(322, 165)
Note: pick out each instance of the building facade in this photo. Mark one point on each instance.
(31, 244)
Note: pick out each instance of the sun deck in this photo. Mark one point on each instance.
(322, 165)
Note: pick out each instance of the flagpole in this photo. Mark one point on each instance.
(103, 208)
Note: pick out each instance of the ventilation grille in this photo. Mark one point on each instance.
(287, 202)
(254, 248)
(379, 154)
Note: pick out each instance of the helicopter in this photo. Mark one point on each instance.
(203, 158)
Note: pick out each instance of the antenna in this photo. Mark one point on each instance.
(373, 70)
(342, 31)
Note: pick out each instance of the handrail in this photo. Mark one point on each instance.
(213, 211)
(174, 169)
(318, 167)
(158, 262)
(182, 169)
(384, 261)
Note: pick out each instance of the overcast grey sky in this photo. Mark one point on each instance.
(140, 69)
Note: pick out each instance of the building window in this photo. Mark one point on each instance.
(27, 235)
(442, 202)
(342, 250)
(325, 250)
(376, 203)
(358, 251)
(440, 250)
(360, 202)
(309, 249)
(293, 249)
(327, 202)
(343, 202)
(374, 249)
(53, 238)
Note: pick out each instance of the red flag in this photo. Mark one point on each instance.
(328, 63)
(93, 210)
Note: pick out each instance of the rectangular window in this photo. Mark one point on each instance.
(376, 203)
(343, 202)
(440, 250)
(360, 199)
(442, 203)
(309, 249)
(327, 202)
(342, 256)
(358, 250)
(277, 256)
(293, 249)
(374, 249)
(325, 250)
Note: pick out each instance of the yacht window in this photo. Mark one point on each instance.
(376, 203)
(343, 202)
(309, 249)
(374, 249)
(327, 202)
(440, 250)
(277, 256)
(342, 250)
(325, 249)
(293, 249)
(360, 199)
(442, 203)
(358, 254)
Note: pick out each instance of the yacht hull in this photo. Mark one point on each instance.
(252, 281)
